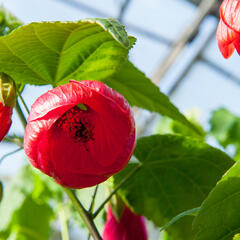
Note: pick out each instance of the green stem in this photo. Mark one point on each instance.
(84, 214)
(20, 114)
(64, 224)
(93, 200)
(179, 216)
(16, 140)
(124, 180)
(23, 102)
(9, 154)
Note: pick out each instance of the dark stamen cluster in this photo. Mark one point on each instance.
(76, 125)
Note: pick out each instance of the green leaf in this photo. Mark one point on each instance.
(219, 216)
(8, 21)
(55, 52)
(114, 28)
(175, 175)
(140, 91)
(25, 207)
(225, 127)
(32, 220)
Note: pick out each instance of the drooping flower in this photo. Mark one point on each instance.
(80, 133)
(228, 32)
(7, 102)
(129, 227)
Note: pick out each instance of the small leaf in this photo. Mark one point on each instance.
(219, 216)
(8, 21)
(225, 127)
(175, 175)
(55, 52)
(140, 91)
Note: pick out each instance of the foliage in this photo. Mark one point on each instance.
(25, 206)
(219, 216)
(175, 174)
(225, 127)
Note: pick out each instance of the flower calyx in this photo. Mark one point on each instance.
(7, 91)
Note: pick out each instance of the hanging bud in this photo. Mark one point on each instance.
(7, 102)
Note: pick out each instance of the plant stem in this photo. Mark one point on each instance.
(124, 180)
(179, 216)
(16, 140)
(20, 114)
(64, 224)
(22, 100)
(9, 154)
(93, 200)
(84, 214)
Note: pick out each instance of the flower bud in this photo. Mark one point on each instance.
(80, 133)
(129, 227)
(7, 102)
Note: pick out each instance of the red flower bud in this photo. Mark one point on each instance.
(5, 120)
(129, 227)
(228, 32)
(80, 133)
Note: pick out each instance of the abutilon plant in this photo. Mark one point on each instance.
(7, 102)
(228, 31)
(129, 226)
(80, 133)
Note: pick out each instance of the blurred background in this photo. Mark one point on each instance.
(176, 47)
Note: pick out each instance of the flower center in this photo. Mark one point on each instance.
(76, 124)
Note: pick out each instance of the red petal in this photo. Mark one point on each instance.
(226, 38)
(5, 120)
(230, 14)
(130, 226)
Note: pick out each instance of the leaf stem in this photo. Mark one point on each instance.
(10, 153)
(93, 200)
(179, 216)
(20, 114)
(12, 139)
(64, 224)
(124, 180)
(22, 100)
(83, 213)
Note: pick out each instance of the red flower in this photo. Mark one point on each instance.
(5, 120)
(80, 133)
(228, 32)
(130, 226)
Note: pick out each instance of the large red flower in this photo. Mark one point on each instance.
(129, 227)
(5, 120)
(80, 133)
(228, 32)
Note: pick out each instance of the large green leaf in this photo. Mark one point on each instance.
(140, 91)
(54, 52)
(25, 209)
(175, 174)
(219, 216)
